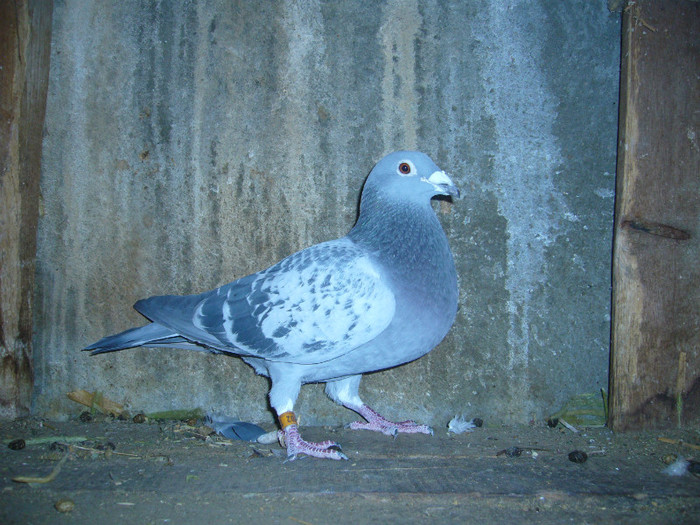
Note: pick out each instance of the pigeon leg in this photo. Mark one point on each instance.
(377, 422)
(345, 392)
(296, 445)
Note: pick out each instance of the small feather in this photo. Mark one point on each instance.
(459, 425)
(234, 429)
(677, 468)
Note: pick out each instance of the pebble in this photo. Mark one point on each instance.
(64, 505)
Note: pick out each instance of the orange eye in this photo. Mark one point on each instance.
(405, 168)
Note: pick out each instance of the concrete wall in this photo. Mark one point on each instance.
(191, 143)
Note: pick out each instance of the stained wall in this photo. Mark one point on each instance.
(188, 144)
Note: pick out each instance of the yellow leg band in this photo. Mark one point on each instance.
(286, 419)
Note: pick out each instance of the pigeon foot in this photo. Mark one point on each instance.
(291, 438)
(379, 423)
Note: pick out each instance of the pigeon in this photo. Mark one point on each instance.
(383, 295)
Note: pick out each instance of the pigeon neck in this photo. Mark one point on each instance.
(395, 228)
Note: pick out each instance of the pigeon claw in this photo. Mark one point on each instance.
(296, 446)
(392, 429)
(379, 423)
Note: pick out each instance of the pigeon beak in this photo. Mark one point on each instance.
(443, 184)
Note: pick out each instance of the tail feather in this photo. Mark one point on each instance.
(150, 335)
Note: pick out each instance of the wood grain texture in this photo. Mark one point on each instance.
(655, 363)
(25, 41)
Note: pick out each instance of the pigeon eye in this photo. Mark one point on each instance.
(405, 168)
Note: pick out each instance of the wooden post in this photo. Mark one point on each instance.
(655, 361)
(25, 42)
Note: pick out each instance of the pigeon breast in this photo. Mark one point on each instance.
(409, 245)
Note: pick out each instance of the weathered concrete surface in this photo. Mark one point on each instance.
(191, 143)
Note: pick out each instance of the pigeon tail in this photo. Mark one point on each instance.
(150, 335)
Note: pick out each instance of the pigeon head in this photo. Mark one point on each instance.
(410, 175)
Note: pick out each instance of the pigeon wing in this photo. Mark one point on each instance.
(311, 307)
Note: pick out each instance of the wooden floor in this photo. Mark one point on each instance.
(165, 473)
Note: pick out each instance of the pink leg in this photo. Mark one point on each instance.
(376, 422)
(295, 445)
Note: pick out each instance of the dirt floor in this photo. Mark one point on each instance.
(114, 471)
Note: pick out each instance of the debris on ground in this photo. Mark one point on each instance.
(584, 410)
(17, 444)
(511, 452)
(568, 425)
(191, 414)
(143, 478)
(578, 456)
(96, 401)
(64, 505)
(269, 438)
(677, 468)
(678, 442)
(233, 429)
(44, 440)
(44, 479)
(459, 424)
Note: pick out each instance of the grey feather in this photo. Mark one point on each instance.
(232, 429)
(153, 334)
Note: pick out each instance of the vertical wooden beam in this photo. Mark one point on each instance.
(655, 361)
(25, 42)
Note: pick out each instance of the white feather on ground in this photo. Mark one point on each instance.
(459, 425)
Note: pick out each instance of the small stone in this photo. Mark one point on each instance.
(205, 430)
(64, 505)
(512, 452)
(669, 458)
(139, 418)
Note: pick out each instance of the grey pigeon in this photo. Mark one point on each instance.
(383, 295)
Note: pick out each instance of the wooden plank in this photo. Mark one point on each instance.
(25, 43)
(655, 361)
